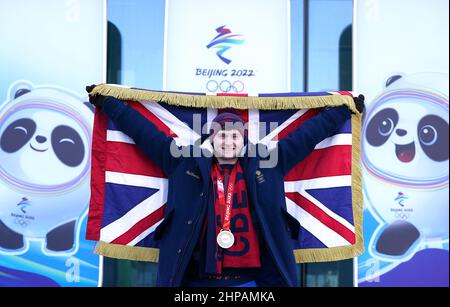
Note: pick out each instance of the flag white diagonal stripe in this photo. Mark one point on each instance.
(324, 234)
(266, 140)
(115, 229)
(321, 183)
(144, 234)
(328, 211)
(186, 136)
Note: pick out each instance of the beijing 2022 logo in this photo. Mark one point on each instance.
(231, 80)
(224, 41)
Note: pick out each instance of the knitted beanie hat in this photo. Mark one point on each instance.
(227, 121)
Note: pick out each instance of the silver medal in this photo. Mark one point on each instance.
(225, 239)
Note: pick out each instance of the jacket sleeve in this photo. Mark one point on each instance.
(154, 143)
(300, 143)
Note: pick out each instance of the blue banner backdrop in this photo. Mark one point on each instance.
(51, 49)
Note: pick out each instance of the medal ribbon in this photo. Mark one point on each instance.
(225, 203)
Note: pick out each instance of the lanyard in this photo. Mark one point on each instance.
(225, 203)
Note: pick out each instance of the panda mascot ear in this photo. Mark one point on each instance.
(392, 79)
(21, 92)
(19, 88)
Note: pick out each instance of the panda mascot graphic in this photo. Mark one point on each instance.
(45, 134)
(405, 151)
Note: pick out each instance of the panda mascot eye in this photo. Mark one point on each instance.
(17, 134)
(432, 131)
(386, 127)
(67, 145)
(381, 126)
(428, 135)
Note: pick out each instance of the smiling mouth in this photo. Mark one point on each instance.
(228, 148)
(40, 150)
(405, 153)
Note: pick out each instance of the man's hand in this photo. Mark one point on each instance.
(97, 100)
(89, 88)
(359, 103)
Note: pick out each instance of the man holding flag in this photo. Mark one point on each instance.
(226, 222)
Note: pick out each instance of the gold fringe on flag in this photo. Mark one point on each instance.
(262, 103)
(220, 102)
(137, 253)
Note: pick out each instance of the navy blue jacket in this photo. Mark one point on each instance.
(190, 190)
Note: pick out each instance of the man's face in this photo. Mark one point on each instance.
(228, 144)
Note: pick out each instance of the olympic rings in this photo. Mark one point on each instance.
(401, 215)
(225, 86)
(21, 222)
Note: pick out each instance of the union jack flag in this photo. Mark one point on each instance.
(129, 192)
